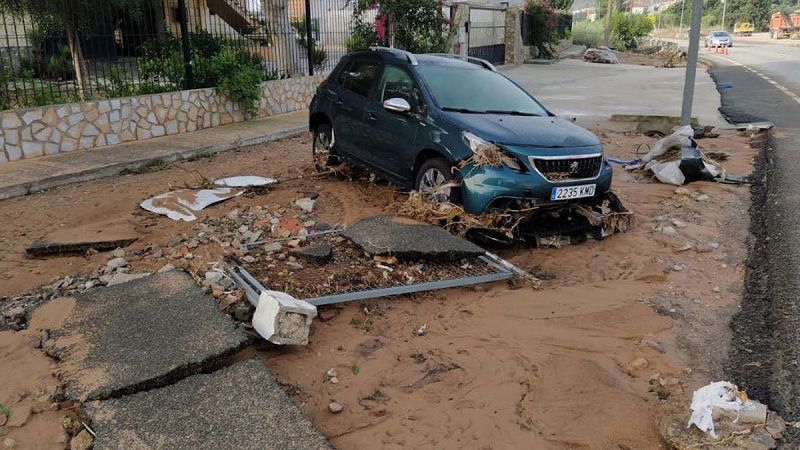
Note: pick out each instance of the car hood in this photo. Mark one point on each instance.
(534, 131)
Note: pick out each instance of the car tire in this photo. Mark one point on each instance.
(432, 175)
(322, 151)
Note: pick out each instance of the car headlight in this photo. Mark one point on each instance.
(480, 146)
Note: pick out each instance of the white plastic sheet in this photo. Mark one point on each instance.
(681, 137)
(183, 203)
(720, 394)
(244, 181)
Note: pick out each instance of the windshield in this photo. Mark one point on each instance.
(719, 34)
(477, 91)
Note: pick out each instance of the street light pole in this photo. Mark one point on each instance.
(691, 65)
(724, 4)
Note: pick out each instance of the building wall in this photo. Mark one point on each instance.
(34, 132)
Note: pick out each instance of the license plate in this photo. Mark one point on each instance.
(570, 192)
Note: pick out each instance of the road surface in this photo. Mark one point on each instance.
(761, 81)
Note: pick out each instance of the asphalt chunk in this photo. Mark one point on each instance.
(140, 335)
(407, 238)
(241, 406)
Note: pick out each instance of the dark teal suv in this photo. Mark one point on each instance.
(416, 119)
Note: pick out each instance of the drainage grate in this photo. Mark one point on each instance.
(351, 275)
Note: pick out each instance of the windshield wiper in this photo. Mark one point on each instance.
(511, 113)
(462, 110)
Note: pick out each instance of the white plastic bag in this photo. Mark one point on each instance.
(682, 136)
(721, 394)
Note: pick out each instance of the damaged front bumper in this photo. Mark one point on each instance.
(557, 224)
(485, 187)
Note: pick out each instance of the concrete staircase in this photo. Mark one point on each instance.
(236, 14)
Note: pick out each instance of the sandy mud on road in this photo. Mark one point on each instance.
(582, 363)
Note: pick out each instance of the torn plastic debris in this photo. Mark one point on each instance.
(183, 203)
(244, 181)
(722, 395)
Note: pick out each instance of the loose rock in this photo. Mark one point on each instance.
(82, 441)
(669, 231)
(305, 204)
(637, 364)
(321, 253)
(335, 408)
(116, 263)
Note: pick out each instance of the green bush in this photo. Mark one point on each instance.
(319, 56)
(299, 27)
(541, 27)
(116, 85)
(239, 76)
(59, 66)
(587, 33)
(628, 29)
(362, 37)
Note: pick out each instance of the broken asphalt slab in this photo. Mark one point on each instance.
(407, 238)
(241, 406)
(140, 335)
(45, 248)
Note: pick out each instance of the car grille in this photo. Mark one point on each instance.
(568, 168)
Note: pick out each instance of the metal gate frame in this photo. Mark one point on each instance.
(495, 53)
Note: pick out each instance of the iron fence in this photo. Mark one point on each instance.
(115, 52)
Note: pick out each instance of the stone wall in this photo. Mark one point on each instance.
(32, 132)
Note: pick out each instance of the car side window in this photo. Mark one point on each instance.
(397, 83)
(359, 76)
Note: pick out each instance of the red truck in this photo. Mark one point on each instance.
(783, 25)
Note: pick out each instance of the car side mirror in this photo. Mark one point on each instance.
(398, 105)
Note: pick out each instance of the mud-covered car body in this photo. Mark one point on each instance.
(393, 113)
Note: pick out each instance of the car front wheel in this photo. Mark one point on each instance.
(436, 182)
(322, 148)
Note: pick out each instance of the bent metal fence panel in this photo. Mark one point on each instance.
(139, 49)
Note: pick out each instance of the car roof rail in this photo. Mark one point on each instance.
(410, 56)
(480, 61)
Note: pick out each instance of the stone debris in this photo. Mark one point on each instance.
(305, 204)
(82, 441)
(422, 330)
(117, 263)
(668, 231)
(335, 407)
(282, 319)
(320, 253)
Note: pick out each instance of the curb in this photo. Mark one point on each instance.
(22, 189)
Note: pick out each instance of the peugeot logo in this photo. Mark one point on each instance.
(573, 167)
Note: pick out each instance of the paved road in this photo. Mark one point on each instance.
(762, 82)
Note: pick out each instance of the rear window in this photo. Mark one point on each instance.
(359, 76)
(477, 90)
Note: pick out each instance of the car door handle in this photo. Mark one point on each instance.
(372, 116)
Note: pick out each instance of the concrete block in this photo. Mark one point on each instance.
(282, 319)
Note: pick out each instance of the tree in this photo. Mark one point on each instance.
(76, 16)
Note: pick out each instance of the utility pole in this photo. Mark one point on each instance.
(691, 65)
(724, 4)
(607, 33)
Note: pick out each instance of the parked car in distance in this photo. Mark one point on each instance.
(719, 39)
(417, 119)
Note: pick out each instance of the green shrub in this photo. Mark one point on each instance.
(59, 66)
(362, 37)
(587, 33)
(319, 56)
(238, 75)
(628, 29)
(541, 27)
